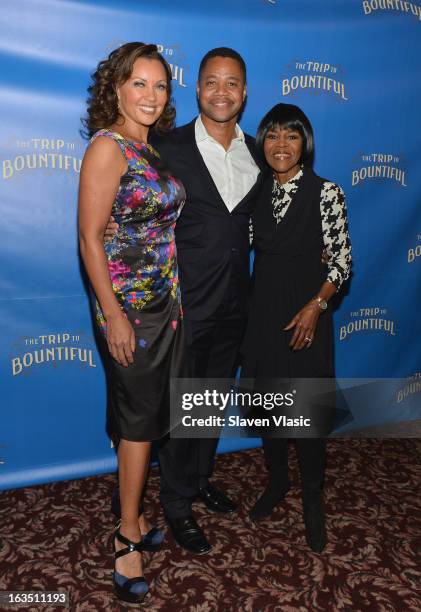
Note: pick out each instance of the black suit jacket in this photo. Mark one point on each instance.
(212, 243)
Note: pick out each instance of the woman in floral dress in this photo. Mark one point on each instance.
(134, 277)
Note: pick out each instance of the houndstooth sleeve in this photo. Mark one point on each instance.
(335, 233)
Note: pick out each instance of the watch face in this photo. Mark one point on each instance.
(322, 304)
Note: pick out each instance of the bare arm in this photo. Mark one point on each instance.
(100, 175)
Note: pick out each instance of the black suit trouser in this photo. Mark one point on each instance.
(212, 348)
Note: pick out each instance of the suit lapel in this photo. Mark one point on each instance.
(257, 185)
(251, 145)
(200, 166)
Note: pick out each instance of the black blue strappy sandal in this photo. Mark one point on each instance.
(130, 590)
(152, 540)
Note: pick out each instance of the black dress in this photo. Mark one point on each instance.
(142, 263)
(292, 224)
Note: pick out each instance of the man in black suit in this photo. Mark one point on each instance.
(218, 166)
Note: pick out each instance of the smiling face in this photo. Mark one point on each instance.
(283, 149)
(143, 96)
(221, 89)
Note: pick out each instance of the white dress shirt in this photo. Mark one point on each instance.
(234, 172)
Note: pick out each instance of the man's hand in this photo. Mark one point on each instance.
(111, 230)
(325, 256)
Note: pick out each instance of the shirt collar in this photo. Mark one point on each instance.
(201, 134)
(292, 181)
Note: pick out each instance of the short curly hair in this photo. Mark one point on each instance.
(102, 110)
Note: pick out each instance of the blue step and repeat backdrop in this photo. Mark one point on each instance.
(352, 65)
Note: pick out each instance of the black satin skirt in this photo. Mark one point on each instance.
(139, 395)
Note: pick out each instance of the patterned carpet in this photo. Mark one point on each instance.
(58, 537)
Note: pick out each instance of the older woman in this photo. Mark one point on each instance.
(134, 277)
(289, 332)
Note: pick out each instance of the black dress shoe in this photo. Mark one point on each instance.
(216, 500)
(189, 535)
(314, 519)
(269, 499)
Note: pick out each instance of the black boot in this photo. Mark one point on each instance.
(312, 458)
(315, 522)
(269, 499)
(276, 456)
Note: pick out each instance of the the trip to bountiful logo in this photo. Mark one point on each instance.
(415, 252)
(411, 387)
(378, 166)
(174, 57)
(373, 319)
(48, 154)
(52, 350)
(371, 6)
(316, 77)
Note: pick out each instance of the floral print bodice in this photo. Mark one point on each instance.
(142, 256)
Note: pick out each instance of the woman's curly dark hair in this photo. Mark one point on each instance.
(102, 102)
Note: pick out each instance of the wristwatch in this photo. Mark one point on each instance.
(321, 303)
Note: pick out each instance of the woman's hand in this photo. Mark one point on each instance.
(121, 339)
(305, 322)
